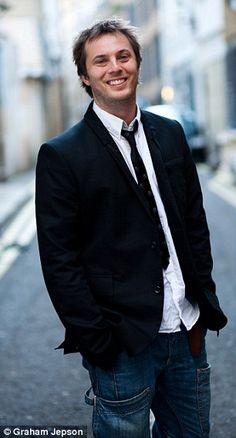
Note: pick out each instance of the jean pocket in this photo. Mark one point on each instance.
(204, 397)
(128, 418)
(124, 407)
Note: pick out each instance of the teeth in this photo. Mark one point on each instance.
(116, 81)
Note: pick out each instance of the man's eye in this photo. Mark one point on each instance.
(100, 62)
(124, 57)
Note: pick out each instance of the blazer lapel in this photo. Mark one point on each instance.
(107, 141)
(174, 219)
(166, 192)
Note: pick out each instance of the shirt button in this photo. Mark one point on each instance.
(157, 289)
(154, 244)
(149, 193)
(154, 210)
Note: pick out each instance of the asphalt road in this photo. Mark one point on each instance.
(41, 386)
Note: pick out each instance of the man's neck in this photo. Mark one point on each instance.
(125, 111)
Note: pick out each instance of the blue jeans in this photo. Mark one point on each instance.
(166, 379)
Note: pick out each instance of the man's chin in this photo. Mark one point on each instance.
(121, 96)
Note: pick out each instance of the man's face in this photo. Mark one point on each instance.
(112, 71)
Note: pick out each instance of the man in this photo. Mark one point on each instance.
(125, 250)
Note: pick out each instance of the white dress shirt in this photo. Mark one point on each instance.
(176, 307)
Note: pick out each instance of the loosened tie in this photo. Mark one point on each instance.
(144, 184)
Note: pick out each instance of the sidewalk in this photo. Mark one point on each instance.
(223, 183)
(14, 193)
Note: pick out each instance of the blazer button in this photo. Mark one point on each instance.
(157, 289)
(154, 244)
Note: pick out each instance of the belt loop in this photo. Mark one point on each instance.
(88, 400)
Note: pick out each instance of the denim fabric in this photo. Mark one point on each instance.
(165, 378)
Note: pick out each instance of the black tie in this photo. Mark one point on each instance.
(144, 184)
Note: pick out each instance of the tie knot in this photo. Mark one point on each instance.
(135, 126)
(129, 133)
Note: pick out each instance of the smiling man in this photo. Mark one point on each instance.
(125, 250)
(112, 74)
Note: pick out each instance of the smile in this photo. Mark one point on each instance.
(116, 81)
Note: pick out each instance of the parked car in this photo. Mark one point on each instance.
(187, 118)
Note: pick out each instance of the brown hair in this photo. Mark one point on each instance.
(98, 29)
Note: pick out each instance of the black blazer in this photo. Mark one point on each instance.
(99, 244)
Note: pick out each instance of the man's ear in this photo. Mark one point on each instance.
(85, 79)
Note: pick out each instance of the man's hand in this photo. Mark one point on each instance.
(195, 337)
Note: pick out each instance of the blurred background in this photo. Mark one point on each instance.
(188, 73)
(189, 61)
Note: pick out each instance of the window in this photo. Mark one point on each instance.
(232, 4)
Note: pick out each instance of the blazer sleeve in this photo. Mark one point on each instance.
(196, 222)
(58, 229)
(199, 239)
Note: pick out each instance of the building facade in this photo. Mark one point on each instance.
(30, 99)
(190, 48)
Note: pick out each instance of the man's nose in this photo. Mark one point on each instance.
(114, 65)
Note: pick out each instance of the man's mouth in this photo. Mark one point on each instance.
(116, 81)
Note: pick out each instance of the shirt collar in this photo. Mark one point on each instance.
(113, 123)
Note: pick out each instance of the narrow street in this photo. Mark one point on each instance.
(222, 355)
(41, 386)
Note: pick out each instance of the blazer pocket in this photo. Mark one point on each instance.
(101, 285)
(175, 170)
(175, 163)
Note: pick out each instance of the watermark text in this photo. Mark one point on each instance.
(43, 431)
